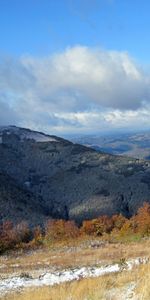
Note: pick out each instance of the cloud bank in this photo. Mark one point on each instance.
(79, 90)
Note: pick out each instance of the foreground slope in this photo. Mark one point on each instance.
(70, 180)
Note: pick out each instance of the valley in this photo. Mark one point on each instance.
(134, 144)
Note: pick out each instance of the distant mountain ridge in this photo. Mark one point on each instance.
(60, 179)
(135, 145)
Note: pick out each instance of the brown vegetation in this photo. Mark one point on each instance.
(115, 228)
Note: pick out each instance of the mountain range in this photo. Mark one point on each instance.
(133, 144)
(44, 176)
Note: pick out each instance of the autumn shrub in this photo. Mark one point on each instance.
(60, 229)
(136, 227)
(118, 221)
(112, 228)
(37, 236)
(13, 235)
(126, 229)
(142, 220)
(119, 227)
(97, 227)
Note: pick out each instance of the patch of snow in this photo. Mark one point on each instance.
(26, 134)
(38, 137)
(57, 277)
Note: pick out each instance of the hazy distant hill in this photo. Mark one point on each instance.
(65, 180)
(133, 145)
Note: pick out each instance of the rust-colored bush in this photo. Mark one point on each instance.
(118, 221)
(117, 226)
(59, 229)
(97, 226)
(142, 219)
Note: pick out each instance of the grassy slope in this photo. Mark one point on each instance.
(126, 285)
(78, 253)
(75, 253)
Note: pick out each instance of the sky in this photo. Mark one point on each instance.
(75, 66)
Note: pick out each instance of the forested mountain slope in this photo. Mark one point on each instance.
(52, 177)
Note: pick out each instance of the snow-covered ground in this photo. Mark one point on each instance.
(57, 277)
(26, 134)
(38, 137)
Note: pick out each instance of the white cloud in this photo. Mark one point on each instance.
(81, 89)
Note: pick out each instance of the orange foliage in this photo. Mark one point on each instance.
(58, 229)
(142, 219)
(12, 236)
(97, 226)
(118, 221)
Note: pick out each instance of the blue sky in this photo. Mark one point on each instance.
(43, 42)
(40, 27)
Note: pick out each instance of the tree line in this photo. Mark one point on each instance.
(116, 227)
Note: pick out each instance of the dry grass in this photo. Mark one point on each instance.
(112, 287)
(143, 288)
(74, 291)
(79, 254)
(72, 255)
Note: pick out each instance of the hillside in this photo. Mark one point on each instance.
(17, 204)
(66, 180)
